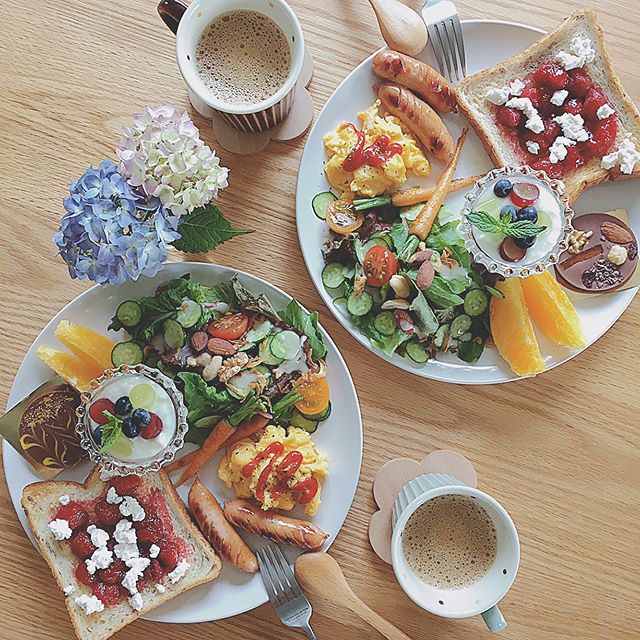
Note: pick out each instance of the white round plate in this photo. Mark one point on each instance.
(340, 437)
(486, 43)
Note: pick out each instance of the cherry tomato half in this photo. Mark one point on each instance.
(379, 265)
(230, 326)
(343, 218)
(315, 396)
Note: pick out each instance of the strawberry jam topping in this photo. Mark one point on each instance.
(155, 529)
(584, 98)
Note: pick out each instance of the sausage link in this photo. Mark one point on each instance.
(417, 76)
(274, 526)
(216, 529)
(420, 119)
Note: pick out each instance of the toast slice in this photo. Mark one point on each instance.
(473, 103)
(41, 501)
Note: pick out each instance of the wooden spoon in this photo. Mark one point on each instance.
(320, 575)
(402, 28)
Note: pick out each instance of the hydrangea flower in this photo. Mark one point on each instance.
(110, 233)
(163, 155)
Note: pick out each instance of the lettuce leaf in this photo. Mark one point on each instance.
(247, 301)
(202, 400)
(295, 316)
(441, 295)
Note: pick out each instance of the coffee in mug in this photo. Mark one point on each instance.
(450, 542)
(243, 58)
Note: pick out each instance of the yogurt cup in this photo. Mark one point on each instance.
(144, 455)
(554, 210)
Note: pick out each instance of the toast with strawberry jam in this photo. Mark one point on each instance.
(117, 548)
(559, 107)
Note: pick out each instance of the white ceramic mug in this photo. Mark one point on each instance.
(188, 23)
(480, 598)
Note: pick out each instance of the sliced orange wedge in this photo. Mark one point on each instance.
(76, 371)
(512, 330)
(86, 343)
(552, 310)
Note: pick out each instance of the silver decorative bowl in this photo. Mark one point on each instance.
(522, 268)
(111, 464)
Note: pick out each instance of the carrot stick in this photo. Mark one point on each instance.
(421, 226)
(246, 429)
(181, 462)
(218, 436)
(408, 197)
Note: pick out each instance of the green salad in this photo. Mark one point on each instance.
(229, 350)
(415, 303)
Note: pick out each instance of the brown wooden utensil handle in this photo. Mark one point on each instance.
(367, 614)
(171, 11)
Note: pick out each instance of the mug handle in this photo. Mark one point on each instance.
(494, 619)
(171, 11)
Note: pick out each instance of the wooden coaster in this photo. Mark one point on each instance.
(393, 475)
(294, 125)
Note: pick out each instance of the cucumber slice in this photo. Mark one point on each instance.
(374, 242)
(298, 420)
(208, 422)
(441, 335)
(476, 302)
(319, 417)
(126, 353)
(285, 345)
(348, 271)
(129, 313)
(173, 334)
(259, 331)
(411, 213)
(189, 313)
(359, 305)
(241, 385)
(264, 352)
(320, 203)
(460, 325)
(417, 352)
(341, 304)
(385, 323)
(333, 275)
(265, 371)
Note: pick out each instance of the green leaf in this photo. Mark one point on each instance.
(424, 314)
(295, 316)
(399, 234)
(523, 229)
(485, 222)
(204, 229)
(440, 294)
(110, 431)
(203, 400)
(470, 351)
(248, 301)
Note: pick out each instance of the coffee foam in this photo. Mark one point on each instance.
(450, 542)
(243, 57)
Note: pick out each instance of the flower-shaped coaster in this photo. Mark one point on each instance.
(294, 125)
(393, 475)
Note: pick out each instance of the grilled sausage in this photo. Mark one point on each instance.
(419, 118)
(216, 529)
(417, 76)
(274, 526)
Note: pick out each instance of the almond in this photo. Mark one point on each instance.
(220, 347)
(425, 276)
(615, 233)
(420, 257)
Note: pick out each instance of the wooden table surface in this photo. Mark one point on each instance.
(560, 452)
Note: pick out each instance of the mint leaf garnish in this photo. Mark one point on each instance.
(518, 229)
(204, 229)
(110, 431)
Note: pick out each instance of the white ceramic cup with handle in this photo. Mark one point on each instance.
(480, 598)
(188, 23)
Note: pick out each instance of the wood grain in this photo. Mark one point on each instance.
(560, 452)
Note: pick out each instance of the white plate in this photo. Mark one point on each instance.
(487, 43)
(340, 437)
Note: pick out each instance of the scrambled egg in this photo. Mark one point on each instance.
(367, 180)
(314, 464)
